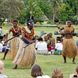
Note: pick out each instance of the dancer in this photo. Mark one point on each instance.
(69, 46)
(26, 54)
(16, 31)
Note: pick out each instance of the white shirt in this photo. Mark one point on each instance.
(7, 46)
(59, 46)
(1, 33)
(3, 76)
(1, 47)
(72, 76)
(42, 45)
(44, 76)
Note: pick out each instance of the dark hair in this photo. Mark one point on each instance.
(36, 71)
(58, 39)
(75, 76)
(40, 39)
(68, 22)
(1, 27)
(29, 23)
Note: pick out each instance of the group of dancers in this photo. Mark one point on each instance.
(22, 50)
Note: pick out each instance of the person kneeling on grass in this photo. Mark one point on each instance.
(1, 70)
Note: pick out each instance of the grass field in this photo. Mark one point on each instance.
(47, 62)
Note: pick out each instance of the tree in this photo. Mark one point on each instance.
(46, 8)
(73, 9)
(11, 8)
(55, 8)
(31, 8)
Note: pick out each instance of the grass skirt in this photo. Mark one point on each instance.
(13, 48)
(69, 48)
(25, 57)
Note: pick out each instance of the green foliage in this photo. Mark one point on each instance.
(65, 12)
(46, 7)
(10, 8)
(53, 9)
(31, 9)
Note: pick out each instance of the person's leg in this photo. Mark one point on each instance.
(19, 54)
(73, 60)
(17, 57)
(64, 57)
(5, 53)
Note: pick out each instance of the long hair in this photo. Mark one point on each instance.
(36, 71)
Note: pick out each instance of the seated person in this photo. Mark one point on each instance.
(1, 33)
(1, 70)
(58, 46)
(51, 47)
(51, 43)
(75, 75)
(57, 73)
(1, 46)
(5, 45)
(36, 72)
(41, 46)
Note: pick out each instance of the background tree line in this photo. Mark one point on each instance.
(53, 10)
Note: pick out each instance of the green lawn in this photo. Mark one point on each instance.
(47, 63)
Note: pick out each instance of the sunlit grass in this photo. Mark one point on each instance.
(47, 62)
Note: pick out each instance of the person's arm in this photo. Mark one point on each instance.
(28, 34)
(25, 36)
(36, 46)
(32, 32)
